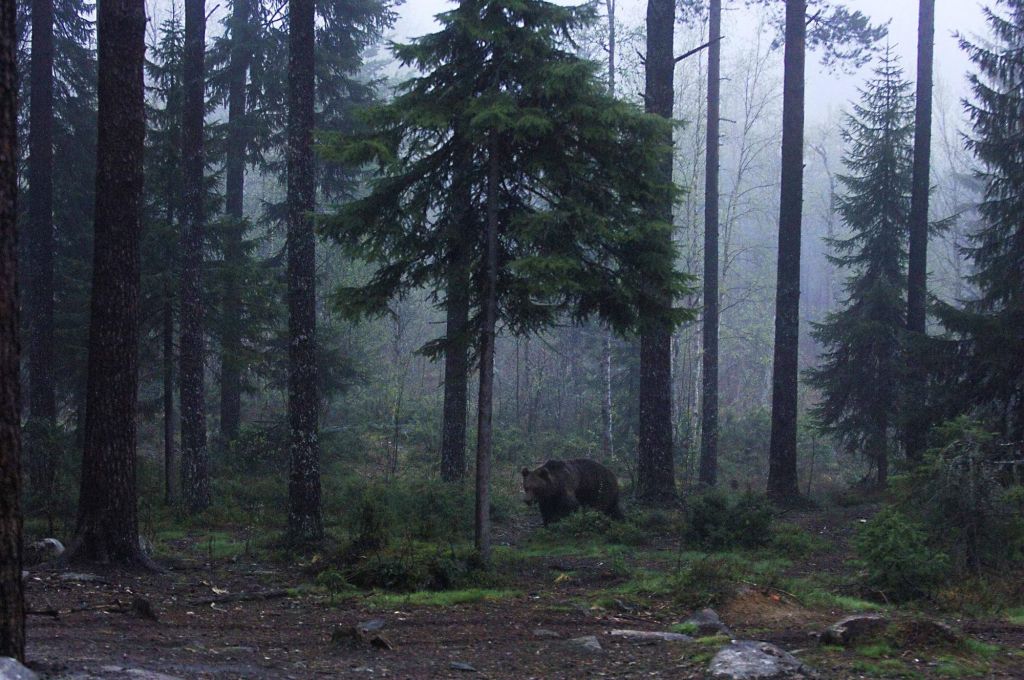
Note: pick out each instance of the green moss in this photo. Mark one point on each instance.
(1016, 616)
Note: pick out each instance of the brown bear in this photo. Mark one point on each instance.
(561, 487)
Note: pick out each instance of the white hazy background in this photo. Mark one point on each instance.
(827, 92)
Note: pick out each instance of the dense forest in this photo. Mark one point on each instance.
(295, 314)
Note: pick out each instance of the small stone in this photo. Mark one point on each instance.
(749, 660)
(371, 626)
(854, 629)
(461, 666)
(11, 669)
(650, 636)
(545, 633)
(706, 623)
(589, 643)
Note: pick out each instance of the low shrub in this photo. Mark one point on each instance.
(897, 559)
(715, 522)
(706, 582)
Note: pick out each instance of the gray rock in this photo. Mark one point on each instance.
(545, 633)
(707, 623)
(749, 660)
(10, 669)
(854, 629)
(587, 642)
(650, 636)
(371, 626)
(43, 551)
(461, 666)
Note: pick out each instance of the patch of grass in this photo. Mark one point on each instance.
(977, 648)
(683, 628)
(818, 598)
(886, 668)
(715, 641)
(446, 598)
(1016, 616)
(877, 650)
(794, 541)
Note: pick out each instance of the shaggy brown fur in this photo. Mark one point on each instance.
(562, 487)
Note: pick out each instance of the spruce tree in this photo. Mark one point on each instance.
(860, 375)
(249, 74)
(510, 147)
(58, 228)
(161, 241)
(990, 327)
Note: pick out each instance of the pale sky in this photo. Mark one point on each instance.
(826, 92)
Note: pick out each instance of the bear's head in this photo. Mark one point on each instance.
(539, 484)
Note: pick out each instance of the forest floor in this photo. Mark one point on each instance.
(214, 614)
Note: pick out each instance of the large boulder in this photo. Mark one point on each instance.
(749, 660)
(43, 551)
(854, 630)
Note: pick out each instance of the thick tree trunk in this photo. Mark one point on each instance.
(456, 362)
(12, 597)
(107, 529)
(782, 472)
(709, 400)
(485, 404)
(231, 343)
(195, 473)
(655, 465)
(170, 468)
(917, 288)
(305, 518)
(39, 282)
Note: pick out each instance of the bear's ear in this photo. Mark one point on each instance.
(526, 472)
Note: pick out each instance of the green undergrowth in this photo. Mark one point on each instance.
(446, 598)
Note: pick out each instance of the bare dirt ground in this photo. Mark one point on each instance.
(91, 629)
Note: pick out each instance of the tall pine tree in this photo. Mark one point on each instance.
(990, 327)
(860, 377)
(488, 149)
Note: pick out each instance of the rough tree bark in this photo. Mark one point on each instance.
(305, 518)
(456, 362)
(12, 597)
(107, 528)
(917, 281)
(234, 195)
(485, 405)
(655, 465)
(709, 399)
(170, 466)
(39, 280)
(195, 475)
(782, 472)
